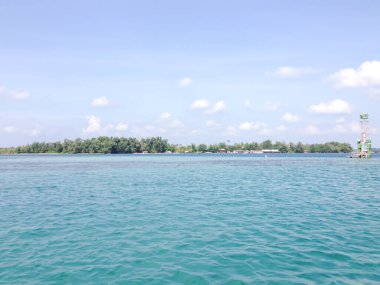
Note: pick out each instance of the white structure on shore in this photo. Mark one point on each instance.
(271, 151)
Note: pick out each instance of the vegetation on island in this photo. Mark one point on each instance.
(115, 145)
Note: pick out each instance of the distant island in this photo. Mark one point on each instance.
(123, 145)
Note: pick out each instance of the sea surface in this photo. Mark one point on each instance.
(189, 219)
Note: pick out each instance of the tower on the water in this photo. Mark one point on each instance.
(364, 143)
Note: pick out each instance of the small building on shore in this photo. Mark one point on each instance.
(271, 151)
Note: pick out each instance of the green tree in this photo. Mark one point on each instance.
(202, 148)
(267, 144)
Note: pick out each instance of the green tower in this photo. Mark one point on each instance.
(364, 143)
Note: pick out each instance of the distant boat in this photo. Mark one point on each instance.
(354, 155)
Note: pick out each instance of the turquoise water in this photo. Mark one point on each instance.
(188, 219)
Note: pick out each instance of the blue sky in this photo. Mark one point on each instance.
(189, 71)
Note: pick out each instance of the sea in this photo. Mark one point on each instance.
(189, 219)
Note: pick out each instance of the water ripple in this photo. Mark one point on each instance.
(189, 220)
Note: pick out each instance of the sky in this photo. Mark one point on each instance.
(189, 71)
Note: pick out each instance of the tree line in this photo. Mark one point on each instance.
(110, 145)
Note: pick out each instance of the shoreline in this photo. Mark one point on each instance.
(219, 154)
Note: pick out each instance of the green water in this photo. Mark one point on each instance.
(187, 219)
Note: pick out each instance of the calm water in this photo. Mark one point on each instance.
(212, 219)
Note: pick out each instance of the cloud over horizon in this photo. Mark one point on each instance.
(217, 108)
(292, 72)
(366, 75)
(249, 126)
(185, 82)
(101, 102)
(290, 118)
(200, 104)
(203, 104)
(336, 106)
(93, 124)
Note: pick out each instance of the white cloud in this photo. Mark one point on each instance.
(9, 129)
(282, 128)
(165, 115)
(366, 75)
(349, 127)
(271, 106)
(93, 124)
(290, 118)
(121, 127)
(176, 124)
(19, 95)
(204, 104)
(200, 104)
(217, 108)
(336, 106)
(166, 120)
(248, 126)
(100, 102)
(185, 82)
(289, 71)
(2, 89)
(312, 130)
